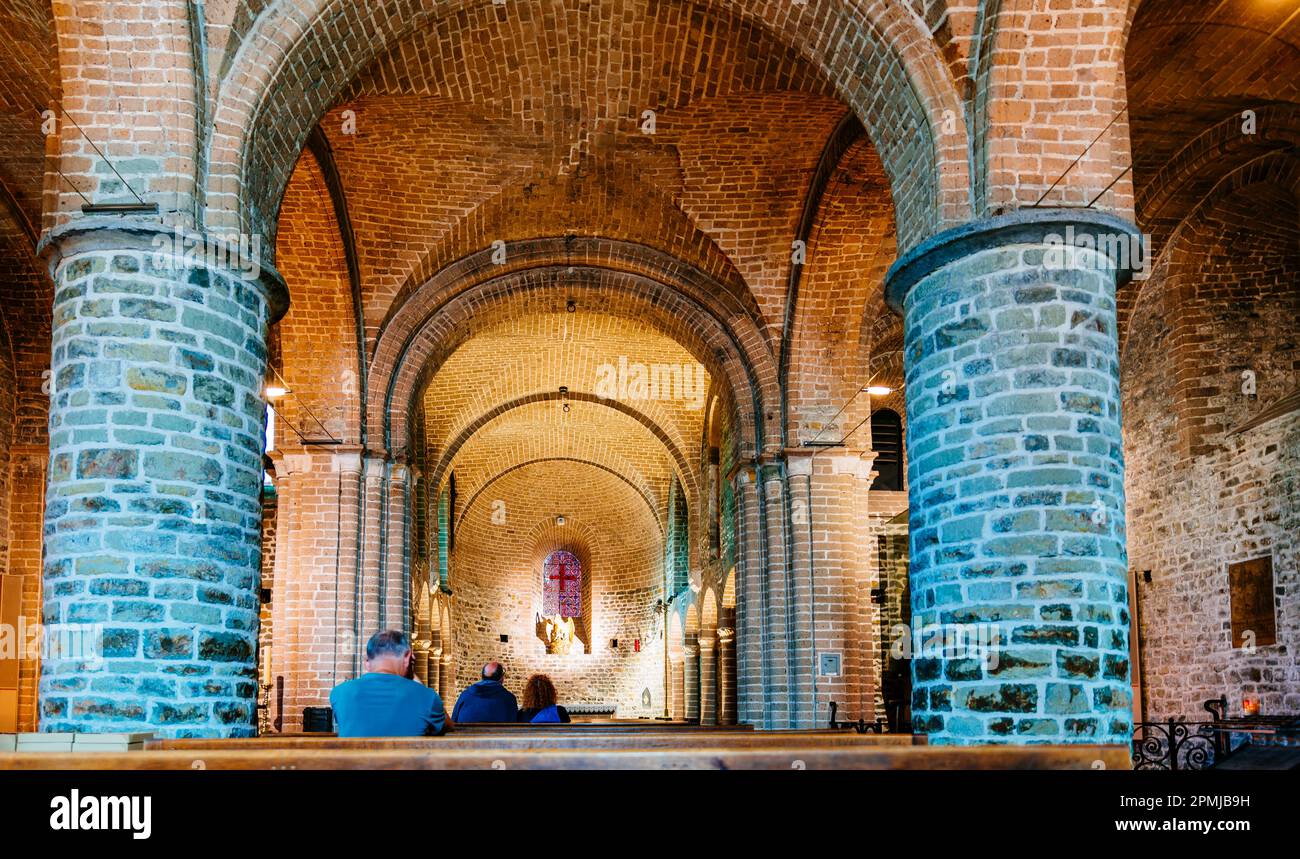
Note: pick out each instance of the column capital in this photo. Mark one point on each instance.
(1023, 226)
(799, 460)
(90, 234)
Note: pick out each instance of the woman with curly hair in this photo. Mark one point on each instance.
(540, 702)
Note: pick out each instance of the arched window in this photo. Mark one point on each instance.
(562, 585)
(887, 439)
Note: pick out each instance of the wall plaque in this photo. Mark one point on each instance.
(1250, 584)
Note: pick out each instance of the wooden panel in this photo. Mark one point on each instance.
(8, 711)
(1251, 585)
(1135, 645)
(11, 604)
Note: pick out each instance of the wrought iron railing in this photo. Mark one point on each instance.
(862, 726)
(1175, 745)
(1182, 745)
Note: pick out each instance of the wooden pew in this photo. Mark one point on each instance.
(844, 758)
(543, 739)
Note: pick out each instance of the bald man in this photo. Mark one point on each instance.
(488, 700)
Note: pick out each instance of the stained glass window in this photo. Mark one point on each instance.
(562, 585)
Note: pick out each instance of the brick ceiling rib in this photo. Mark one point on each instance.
(1191, 67)
(578, 76)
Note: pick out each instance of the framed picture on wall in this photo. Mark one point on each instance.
(1250, 588)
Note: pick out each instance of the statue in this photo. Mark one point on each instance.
(558, 633)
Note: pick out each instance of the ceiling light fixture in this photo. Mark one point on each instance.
(275, 392)
(879, 391)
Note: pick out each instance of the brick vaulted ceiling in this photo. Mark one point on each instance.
(481, 127)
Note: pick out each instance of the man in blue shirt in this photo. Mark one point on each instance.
(487, 700)
(385, 702)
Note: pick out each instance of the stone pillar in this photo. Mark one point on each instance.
(1016, 475)
(727, 675)
(153, 509)
(708, 679)
(691, 678)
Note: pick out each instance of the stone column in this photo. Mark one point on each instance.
(691, 676)
(727, 675)
(708, 679)
(1016, 475)
(153, 510)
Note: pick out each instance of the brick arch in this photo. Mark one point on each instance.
(878, 56)
(1024, 133)
(851, 242)
(317, 337)
(708, 611)
(1221, 299)
(1167, 198)
(1277, 168)
(1239, 53)
(576, 538)
(672, 446)
(676, 300)
(676, 634)
(625, 208)
(636, 485)
(728, 598)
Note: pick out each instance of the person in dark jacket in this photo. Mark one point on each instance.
(487, 700)
(540, 702)
(385, 702)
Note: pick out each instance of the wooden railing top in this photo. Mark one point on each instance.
(836, 758)
(546, 740)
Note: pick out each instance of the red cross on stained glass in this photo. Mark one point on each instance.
(562, 585)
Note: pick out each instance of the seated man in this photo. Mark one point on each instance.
(487, 700)
(385, 702)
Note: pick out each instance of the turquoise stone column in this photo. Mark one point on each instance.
(1016, 474)
(152, 512)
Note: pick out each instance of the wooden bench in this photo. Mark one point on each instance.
(544, 739)
(865, 756)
